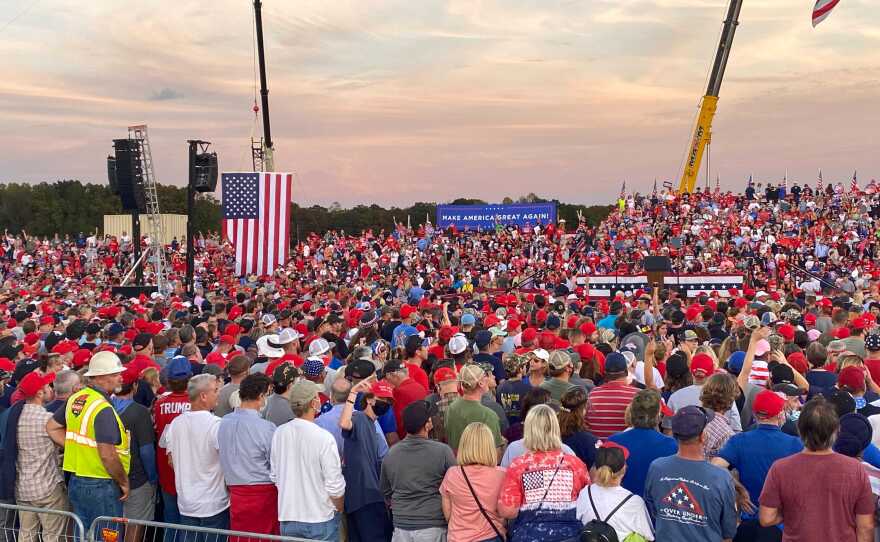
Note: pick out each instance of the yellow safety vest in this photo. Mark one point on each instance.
(80, 447)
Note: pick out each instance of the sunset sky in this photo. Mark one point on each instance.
(401, 101)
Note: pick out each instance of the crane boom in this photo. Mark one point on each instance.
(709, 103)
(269, 148)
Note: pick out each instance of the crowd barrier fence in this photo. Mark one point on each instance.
(30, 524)
(112, 529)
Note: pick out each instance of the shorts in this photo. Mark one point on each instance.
(141, 503)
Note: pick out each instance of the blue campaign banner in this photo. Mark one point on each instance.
(471, 217)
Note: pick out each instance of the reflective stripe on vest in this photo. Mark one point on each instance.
(81, 455)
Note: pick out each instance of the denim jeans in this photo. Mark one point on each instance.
(170, 514)
(218, 521)
(93, 497)
(327, 530)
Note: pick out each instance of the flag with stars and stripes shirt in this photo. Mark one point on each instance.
(256, 219)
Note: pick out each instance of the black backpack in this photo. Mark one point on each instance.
(598, 530)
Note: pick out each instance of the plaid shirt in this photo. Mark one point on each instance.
(716, 435)
(37, 467)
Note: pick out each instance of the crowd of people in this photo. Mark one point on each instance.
(429, 385)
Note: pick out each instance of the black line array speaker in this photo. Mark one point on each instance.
(111, 175)
(129, 175)
(206, 172)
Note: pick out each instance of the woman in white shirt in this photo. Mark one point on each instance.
(630, 521)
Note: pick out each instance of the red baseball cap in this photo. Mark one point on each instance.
(810, 319)
(529, 335)
(81, 357)
(33, 382)
(787, 332)
(588, 328)
(702, 363)
(382, 389)
(612, 444)
(7, 365)
(227, 339)
(842, 333)
(65, 347)
(406, 311)
(768, 404)
(444, 374)
(852, 377)
(232, 329)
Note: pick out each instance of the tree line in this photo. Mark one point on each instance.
(71, 206)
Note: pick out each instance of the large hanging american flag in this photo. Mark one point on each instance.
(256, 219)
(822, 9)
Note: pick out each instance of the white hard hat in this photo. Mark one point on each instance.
(105, 363)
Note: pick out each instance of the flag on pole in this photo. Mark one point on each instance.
(785, 180)
(854, 185)
(751, 183)
(623, 190)
(654, 193)
(256, 219)
(819, 183)
(822, 9)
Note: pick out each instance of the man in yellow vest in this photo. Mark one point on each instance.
(96, 444)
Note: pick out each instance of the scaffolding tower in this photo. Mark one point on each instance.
(151, 203)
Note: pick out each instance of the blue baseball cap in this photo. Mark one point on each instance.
(178, 368)
(615, 362)
(468, 320)
(735, 362)
(482, 338)
(115, 329)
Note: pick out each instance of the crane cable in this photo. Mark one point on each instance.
(256, 107)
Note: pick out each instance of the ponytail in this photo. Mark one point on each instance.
(603, 476)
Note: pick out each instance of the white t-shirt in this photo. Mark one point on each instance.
(191, 440)
(640, 374)
(305, 467)
(631, 518)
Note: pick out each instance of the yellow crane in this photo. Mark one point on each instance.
(709, 103)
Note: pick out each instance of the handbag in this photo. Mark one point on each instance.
(480, 505)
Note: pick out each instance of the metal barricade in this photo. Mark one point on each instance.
(30, 524)
(110, 529)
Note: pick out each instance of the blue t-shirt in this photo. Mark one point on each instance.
(608, 322)
(753, 452)
(644, 445)
(583, 443)
(361, 464)
(690, 500)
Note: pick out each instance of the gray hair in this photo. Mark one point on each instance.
(65, 382)
(198, 385)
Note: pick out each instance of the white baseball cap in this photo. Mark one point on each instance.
(287, 335)
(318, 347)
(457, 344)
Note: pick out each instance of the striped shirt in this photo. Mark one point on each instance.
(606, 407)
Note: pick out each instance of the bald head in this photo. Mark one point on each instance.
(339, 390)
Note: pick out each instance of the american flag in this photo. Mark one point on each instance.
(854, 184)
(256, 219)
(819, 185)
(687, 285)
